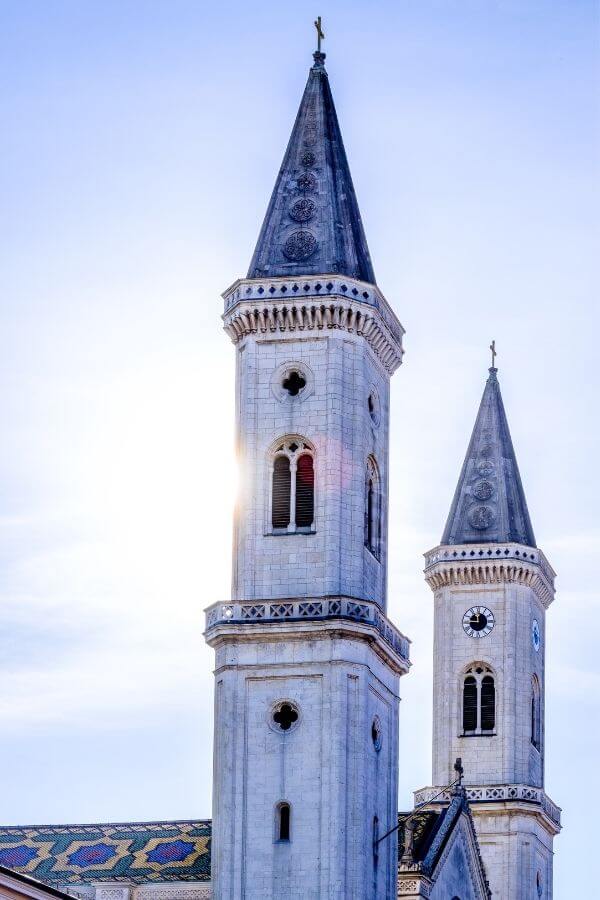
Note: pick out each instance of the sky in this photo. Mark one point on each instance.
(139, 144)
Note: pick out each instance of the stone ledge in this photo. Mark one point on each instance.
(496, 793)
(288, 305)
(463, 564)
(280, 616)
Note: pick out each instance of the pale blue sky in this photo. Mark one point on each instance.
(139, 144)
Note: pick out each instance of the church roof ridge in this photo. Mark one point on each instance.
(150, 823)
(313, 224)
(489, 504)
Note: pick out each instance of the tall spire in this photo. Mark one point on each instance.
(489, 504)
(313, 224)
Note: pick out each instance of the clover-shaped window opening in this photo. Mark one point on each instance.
(293, 383)
(285, 716)
(376, 733)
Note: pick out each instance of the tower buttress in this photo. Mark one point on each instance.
(307, 662)
(492, 587)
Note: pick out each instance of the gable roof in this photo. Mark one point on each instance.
(434, 830)
(137, 852)
(489, 503)
(313, 224)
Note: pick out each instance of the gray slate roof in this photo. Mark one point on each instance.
(489, 505)
(313, 224)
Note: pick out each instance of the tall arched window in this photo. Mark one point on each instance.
(536, 718)
(281, 492)
(372, 508)
(282, 822)
(292, 487)
(478, 700)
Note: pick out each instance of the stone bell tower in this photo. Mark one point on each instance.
(307, 662)
(492, 587)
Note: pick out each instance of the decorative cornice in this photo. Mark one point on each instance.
(225, 619)
(496, 793)
(256, 306)
(466, 564)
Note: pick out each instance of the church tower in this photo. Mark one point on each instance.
(307, 662)
(492, 587)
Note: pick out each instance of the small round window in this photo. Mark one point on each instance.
(284, 716)
(376, 733)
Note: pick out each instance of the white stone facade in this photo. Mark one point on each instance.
(504, 770)
(306, 628)
(342, 370)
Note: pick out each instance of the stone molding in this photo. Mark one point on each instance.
(255, 306)
(465, 564)
(416, 887)
(290, 614)
(495, 793)
(202, 893)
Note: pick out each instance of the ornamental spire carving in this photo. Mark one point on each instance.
(489, 504)
(313, 224)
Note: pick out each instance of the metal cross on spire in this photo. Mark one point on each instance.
(494, 354)
(320, 33)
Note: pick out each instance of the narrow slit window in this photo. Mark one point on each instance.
(284, 821)
(536, 721)
(488, 704)
(370, 493)
(470, 704)
(281, 492)
(305, 491)
(372, 508)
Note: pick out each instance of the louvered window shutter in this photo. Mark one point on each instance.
(305, 491)
(281, 492)
(488, 704)
(469, 704)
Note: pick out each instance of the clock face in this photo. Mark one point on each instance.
(478, 621)
(536, 637)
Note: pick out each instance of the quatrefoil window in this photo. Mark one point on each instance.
(285, 716)
(294, 383)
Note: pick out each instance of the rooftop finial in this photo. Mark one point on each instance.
(458, 768)
(320, 33)
(494, 355)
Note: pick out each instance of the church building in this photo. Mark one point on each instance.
(308, 665)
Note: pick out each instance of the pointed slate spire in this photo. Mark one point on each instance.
(313, 225)
(489, 504)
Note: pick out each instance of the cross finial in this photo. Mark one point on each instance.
(320, 33)
(494, 354)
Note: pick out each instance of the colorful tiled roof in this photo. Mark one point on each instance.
(138, 852)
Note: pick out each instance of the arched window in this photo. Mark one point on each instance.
(281, 492)
(372, 508)
(470, 704)
(305, 491)
(536, 719)
(292, 487)
(478, 700)
(282, 823)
